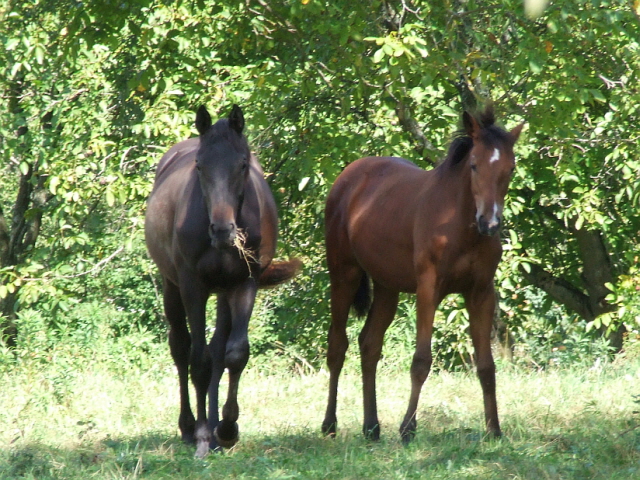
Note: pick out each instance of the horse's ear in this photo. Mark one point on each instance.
(203, 120)
(515, 132)
(471, 126)
(236, 119)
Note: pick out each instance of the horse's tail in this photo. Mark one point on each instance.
(279, 272)
(362, 300)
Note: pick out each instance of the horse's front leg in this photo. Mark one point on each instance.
(236, 356)
(217, 348)
(481, 304)
(427, 300)
(180, 345)
(194, 298)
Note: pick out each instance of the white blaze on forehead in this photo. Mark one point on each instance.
(496, 156)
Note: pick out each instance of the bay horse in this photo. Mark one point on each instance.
(211, 228)
(426, 232)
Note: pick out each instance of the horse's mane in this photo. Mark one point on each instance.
(462, 143)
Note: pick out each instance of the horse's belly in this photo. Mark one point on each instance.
(388, 265)
(383, 250)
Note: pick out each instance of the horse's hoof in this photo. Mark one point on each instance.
(407, 436)
(188, 439)
(329, 429)
(202, 450)
(407, 432)
(187, 426)
(228, 442)
(371, 433)
(203, 438)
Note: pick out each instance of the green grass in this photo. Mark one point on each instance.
(69, 415)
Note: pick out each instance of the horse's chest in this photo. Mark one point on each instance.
(222, 269)
(463, 265)
(464, 270)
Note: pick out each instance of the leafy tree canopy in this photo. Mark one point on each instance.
(93, 92)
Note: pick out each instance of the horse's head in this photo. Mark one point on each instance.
(492, 162)
(222, 163)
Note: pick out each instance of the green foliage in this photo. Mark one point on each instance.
(87, 330)
(94, 92)
(549, 338)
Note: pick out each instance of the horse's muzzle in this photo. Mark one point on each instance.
(488, 227)
(222, 235)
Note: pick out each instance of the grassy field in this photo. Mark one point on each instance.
(69, 415)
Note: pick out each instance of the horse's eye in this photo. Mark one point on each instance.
(474, 167)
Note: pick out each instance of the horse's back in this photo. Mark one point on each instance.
(371, 177)
(178, 156)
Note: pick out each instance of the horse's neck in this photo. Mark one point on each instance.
(456, 181)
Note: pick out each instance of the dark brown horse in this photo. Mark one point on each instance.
(427, 232)
(211, 227)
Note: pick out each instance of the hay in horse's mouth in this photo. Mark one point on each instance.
(247, 254)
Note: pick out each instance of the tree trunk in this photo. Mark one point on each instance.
(15, 241)
(589, 302)
(597, 269)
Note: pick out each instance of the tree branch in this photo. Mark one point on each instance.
(410, 125)
(560, 290)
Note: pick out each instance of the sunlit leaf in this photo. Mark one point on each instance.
(303, 183)
(535, 66)
(39, 52)
(110, 197)
(378, 55)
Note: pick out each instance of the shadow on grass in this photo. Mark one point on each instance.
(593, 447)
(597, 448)
(106, 458)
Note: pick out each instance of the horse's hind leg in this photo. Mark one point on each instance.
(383, 309)
(180, 345)
(236, 356)
(344, 285)
(481, 307)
